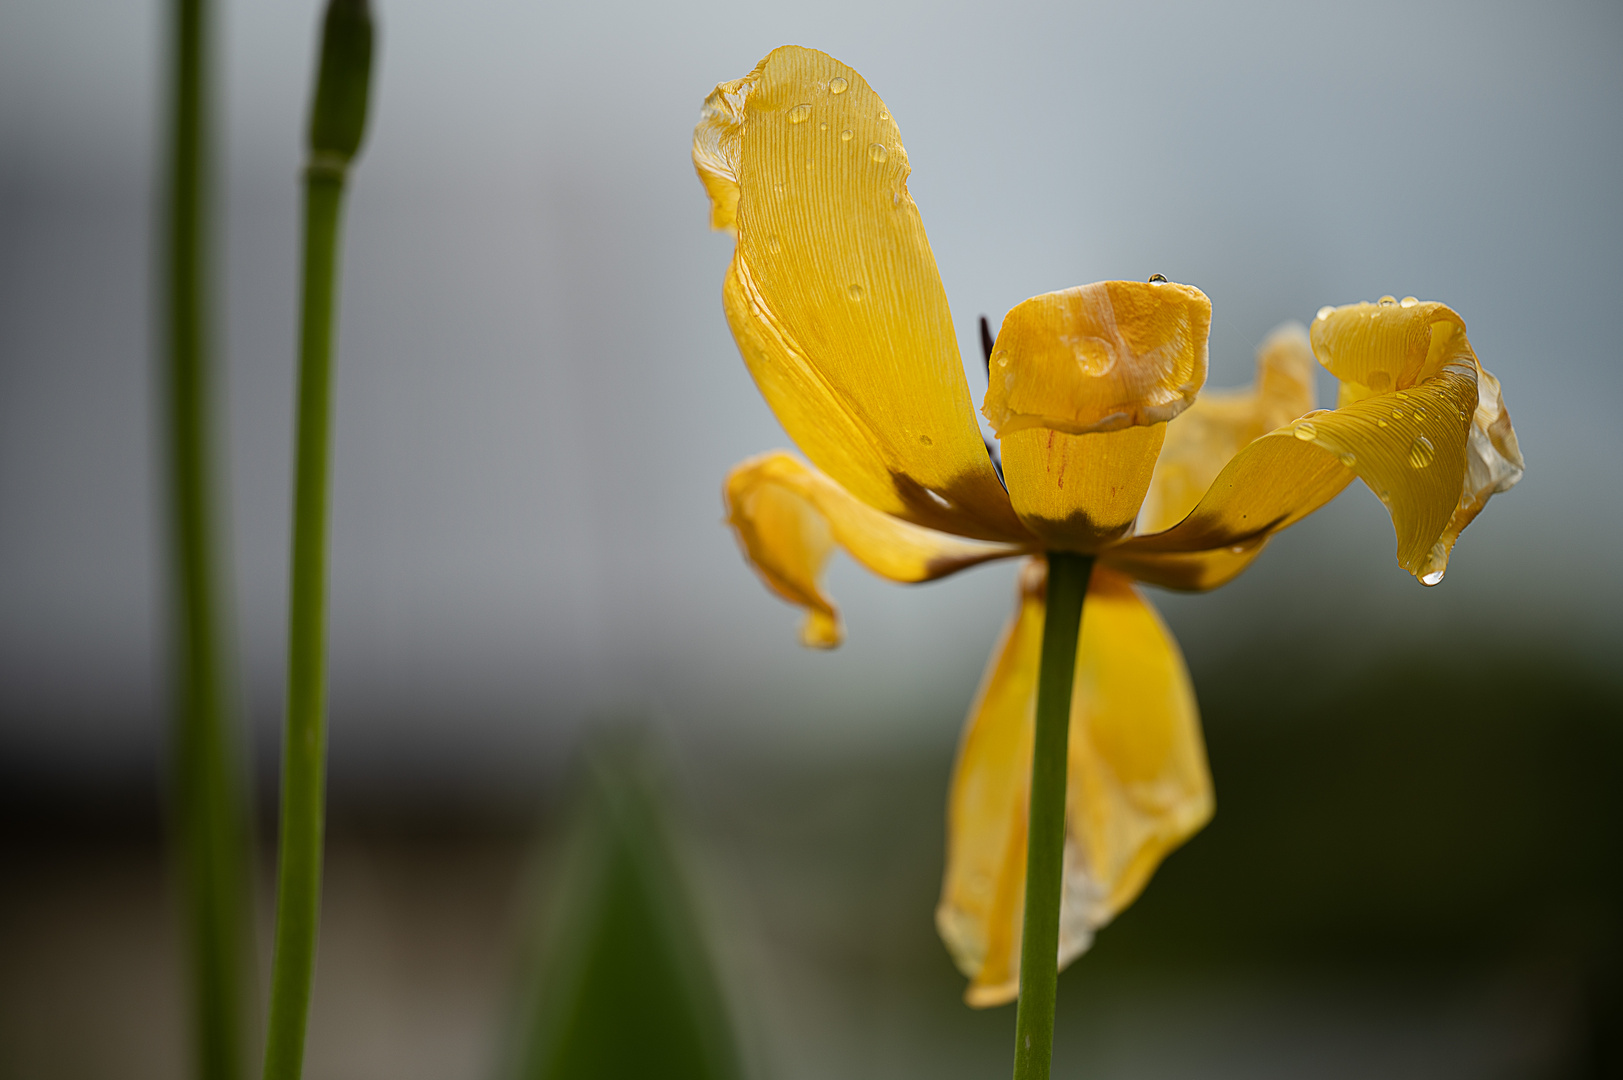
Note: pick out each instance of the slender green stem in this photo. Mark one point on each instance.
(337, 123)
(304, 749)
(1045, 851)
(210, 815)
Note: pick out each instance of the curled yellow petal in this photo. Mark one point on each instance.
(1137, 783)
(1099, 357)
(1415, 346)
(1207, 435)
(1433, 446)
(788, 517)
(1078, 492)
(833, 294)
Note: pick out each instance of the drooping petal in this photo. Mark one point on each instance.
(1137, 781)
(1207, 435)
(1081, 385)
(788, 517)
(833, 293)
(1433, 447)
(1406, 344)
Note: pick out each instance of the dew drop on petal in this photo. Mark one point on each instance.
(1401, 396)
(1397, 414)
(1349, 460)
(1388, 301)
(800, 114)
(1421, 452)
(1306, 432)
(1409, 301)
(1380, 423)
(854, 291)
(774, 245)
(822, 125)
(883, 115)
(837, 85)
(1326, 311)
(878, 152)
(1431, 578)
(845, 136)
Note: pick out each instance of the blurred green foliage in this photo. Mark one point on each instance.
(626, 987)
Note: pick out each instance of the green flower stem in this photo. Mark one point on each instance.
(1045, 851)
(337, 120)
(210, 814)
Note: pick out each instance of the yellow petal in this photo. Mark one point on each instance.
(788, 517)
(1137, 782)
(833, 293)
(1410, 345)
(1099, 357)
(1207, 435)
(1078, 492)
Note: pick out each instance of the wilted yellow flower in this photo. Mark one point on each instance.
(839, 312)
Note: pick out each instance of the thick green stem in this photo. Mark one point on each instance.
(1045, 846)
(210, 814)
(304, 749)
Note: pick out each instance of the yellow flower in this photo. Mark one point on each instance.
(837, 307)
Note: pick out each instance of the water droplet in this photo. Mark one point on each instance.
(1401, 396)
(1409, 301)
(845, 136)
(1157, 279)
(800, 114)
(1306, 432)
(1380, 423)
(1397, 414)
(854, 291)
(1421, 452)
(777, 189)
(1326, 311)
(822, 126)
(1388, 301)
(878, 152)
(837, 85)
(774, 245)
(926, 440)
(1349, 460)
(1237, 549)
(883, 115)
(1431, 578)
(1420, 414)
(1431, 571)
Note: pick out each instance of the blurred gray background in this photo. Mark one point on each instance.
(538, 397)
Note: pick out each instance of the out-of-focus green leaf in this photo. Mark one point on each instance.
(627, 988)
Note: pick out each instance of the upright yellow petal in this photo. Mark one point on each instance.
(1137, 783)
(1207, 435)
(788, 517)
(1082, 383)
(833, 293)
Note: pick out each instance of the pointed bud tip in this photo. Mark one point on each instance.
(343, 78)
